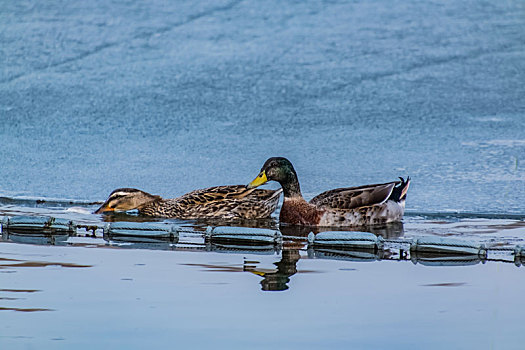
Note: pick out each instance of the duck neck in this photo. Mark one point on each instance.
(147, 202)
(291, 187)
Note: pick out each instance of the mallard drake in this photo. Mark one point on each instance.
(221, 202)
(352, 206)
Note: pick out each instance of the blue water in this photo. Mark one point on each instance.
(133, 299)
(171, 96)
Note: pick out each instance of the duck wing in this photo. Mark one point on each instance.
(261, 195)
(354, 197)
(227, 202)
(213, 194)
(227, 193)
(258, 205)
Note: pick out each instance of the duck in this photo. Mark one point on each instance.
(366, 205)
(220, 202)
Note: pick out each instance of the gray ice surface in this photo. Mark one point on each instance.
(170, 96)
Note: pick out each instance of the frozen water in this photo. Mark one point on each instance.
(174, 96)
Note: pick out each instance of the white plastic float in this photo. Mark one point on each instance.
(445, 260)
(140, 231)
(359, 255)
(346, 239)
(38, 239)
(38, 224)
(442, 245)
(240, 248)
(330, 244)
(245, 235)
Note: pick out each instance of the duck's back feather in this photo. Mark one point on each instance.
(354, 197)
(222, 202)
(217, 193)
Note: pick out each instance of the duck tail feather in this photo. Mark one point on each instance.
(400, 191)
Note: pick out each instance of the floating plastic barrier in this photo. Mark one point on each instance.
(246, 235)
(140, 232)
(445, 260)
(362, 255)
(440, 245)
(242, 248)
(39, 239)
(37, 224)
(141, 243)
(346, 239)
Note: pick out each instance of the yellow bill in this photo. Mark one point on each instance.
(259, 180)
(259, 273)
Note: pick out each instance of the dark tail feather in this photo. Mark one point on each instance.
(399, 193)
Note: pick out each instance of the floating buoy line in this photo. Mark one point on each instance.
(348, 245)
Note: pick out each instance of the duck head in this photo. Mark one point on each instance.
(281, 170)
(124, 199)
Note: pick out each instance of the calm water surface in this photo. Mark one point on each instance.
(84, 297)
(173, 96)
(84, 291)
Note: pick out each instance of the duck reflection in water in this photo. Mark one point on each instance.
(286, 267)
(295, 240)
(388, 231)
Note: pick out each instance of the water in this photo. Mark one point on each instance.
(173, 96)
(170, 97)
(132, 298)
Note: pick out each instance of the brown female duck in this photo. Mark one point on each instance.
(221, 202)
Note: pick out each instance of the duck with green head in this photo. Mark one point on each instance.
(350, 206)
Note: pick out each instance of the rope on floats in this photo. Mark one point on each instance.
(360, 245)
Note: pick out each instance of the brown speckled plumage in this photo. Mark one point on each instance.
(354, 197)
(221, 202)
